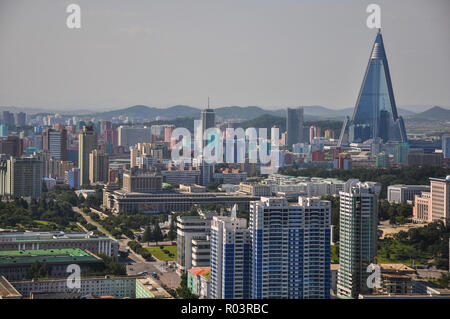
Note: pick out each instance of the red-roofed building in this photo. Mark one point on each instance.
(198, 279)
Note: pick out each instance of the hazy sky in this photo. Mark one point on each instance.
(240, 52)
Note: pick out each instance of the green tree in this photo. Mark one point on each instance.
(157, 233)
(183, 291)
(172, 234)
(148, 235)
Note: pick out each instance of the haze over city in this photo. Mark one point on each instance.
(273, 54)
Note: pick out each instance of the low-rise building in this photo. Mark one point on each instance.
(59, 240)
(401, 193)
(255, 189)
(395, 279)
(120, 201)
(198, 281)
(118, 287)
(15, 265)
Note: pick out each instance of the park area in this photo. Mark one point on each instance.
(167, 253)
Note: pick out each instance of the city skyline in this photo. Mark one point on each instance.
(130, 55)
(214, 200)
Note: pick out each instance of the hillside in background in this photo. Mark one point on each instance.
(241, 113)
(311, 113)
(435, 113)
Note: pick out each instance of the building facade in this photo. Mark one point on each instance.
(230, 258)
(294, 126)
(59, 240)
(290, 248)
(98, 166)
(375, 114)
(440, 198)
(358, 236)
(87, 142)
(130, 136)
(21, 176)
(190, 228)
(401, 194)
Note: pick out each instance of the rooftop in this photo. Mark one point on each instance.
(202, 271)
(396, 267)
(45, 255)
(46, 236)
(7, 290)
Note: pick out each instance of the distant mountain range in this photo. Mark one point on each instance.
(243, 113)
(436, 113)
(315, 112)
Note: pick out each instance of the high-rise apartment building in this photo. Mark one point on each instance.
(110, 136)
(230, 258)
(3, 130)
(20, 119)
(290, 248)
(87, 142)
(98, 166)
(55, 141)
(358, 236)
(314, 131)
(7, 118)
(207, 120)
(11, 145)
(375, 114)
(105, 126)
(294, 126)
(72, 178)
(21, 176)
(446, 146)
(130, 136)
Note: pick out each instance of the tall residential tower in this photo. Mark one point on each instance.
(230, 258)
(294, 125)
(358, 236)
(87, 142)
(290, 248)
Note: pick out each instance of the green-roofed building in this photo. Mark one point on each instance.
(16, 264)
(59, 240)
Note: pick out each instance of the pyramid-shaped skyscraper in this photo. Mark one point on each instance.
(375, 114)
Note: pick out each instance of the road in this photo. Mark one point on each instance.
(91, 221)
(166, 275)
(136, 263)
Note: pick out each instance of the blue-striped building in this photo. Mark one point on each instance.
(290, 248)
(230, 258)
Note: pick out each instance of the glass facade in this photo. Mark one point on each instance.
(375, 114)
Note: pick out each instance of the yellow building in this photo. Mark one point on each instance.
(87, 142)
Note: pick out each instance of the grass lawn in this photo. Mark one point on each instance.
(158, 253)
(42, 222)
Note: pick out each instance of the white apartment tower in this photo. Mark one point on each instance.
(358, 236)
(230, 258)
